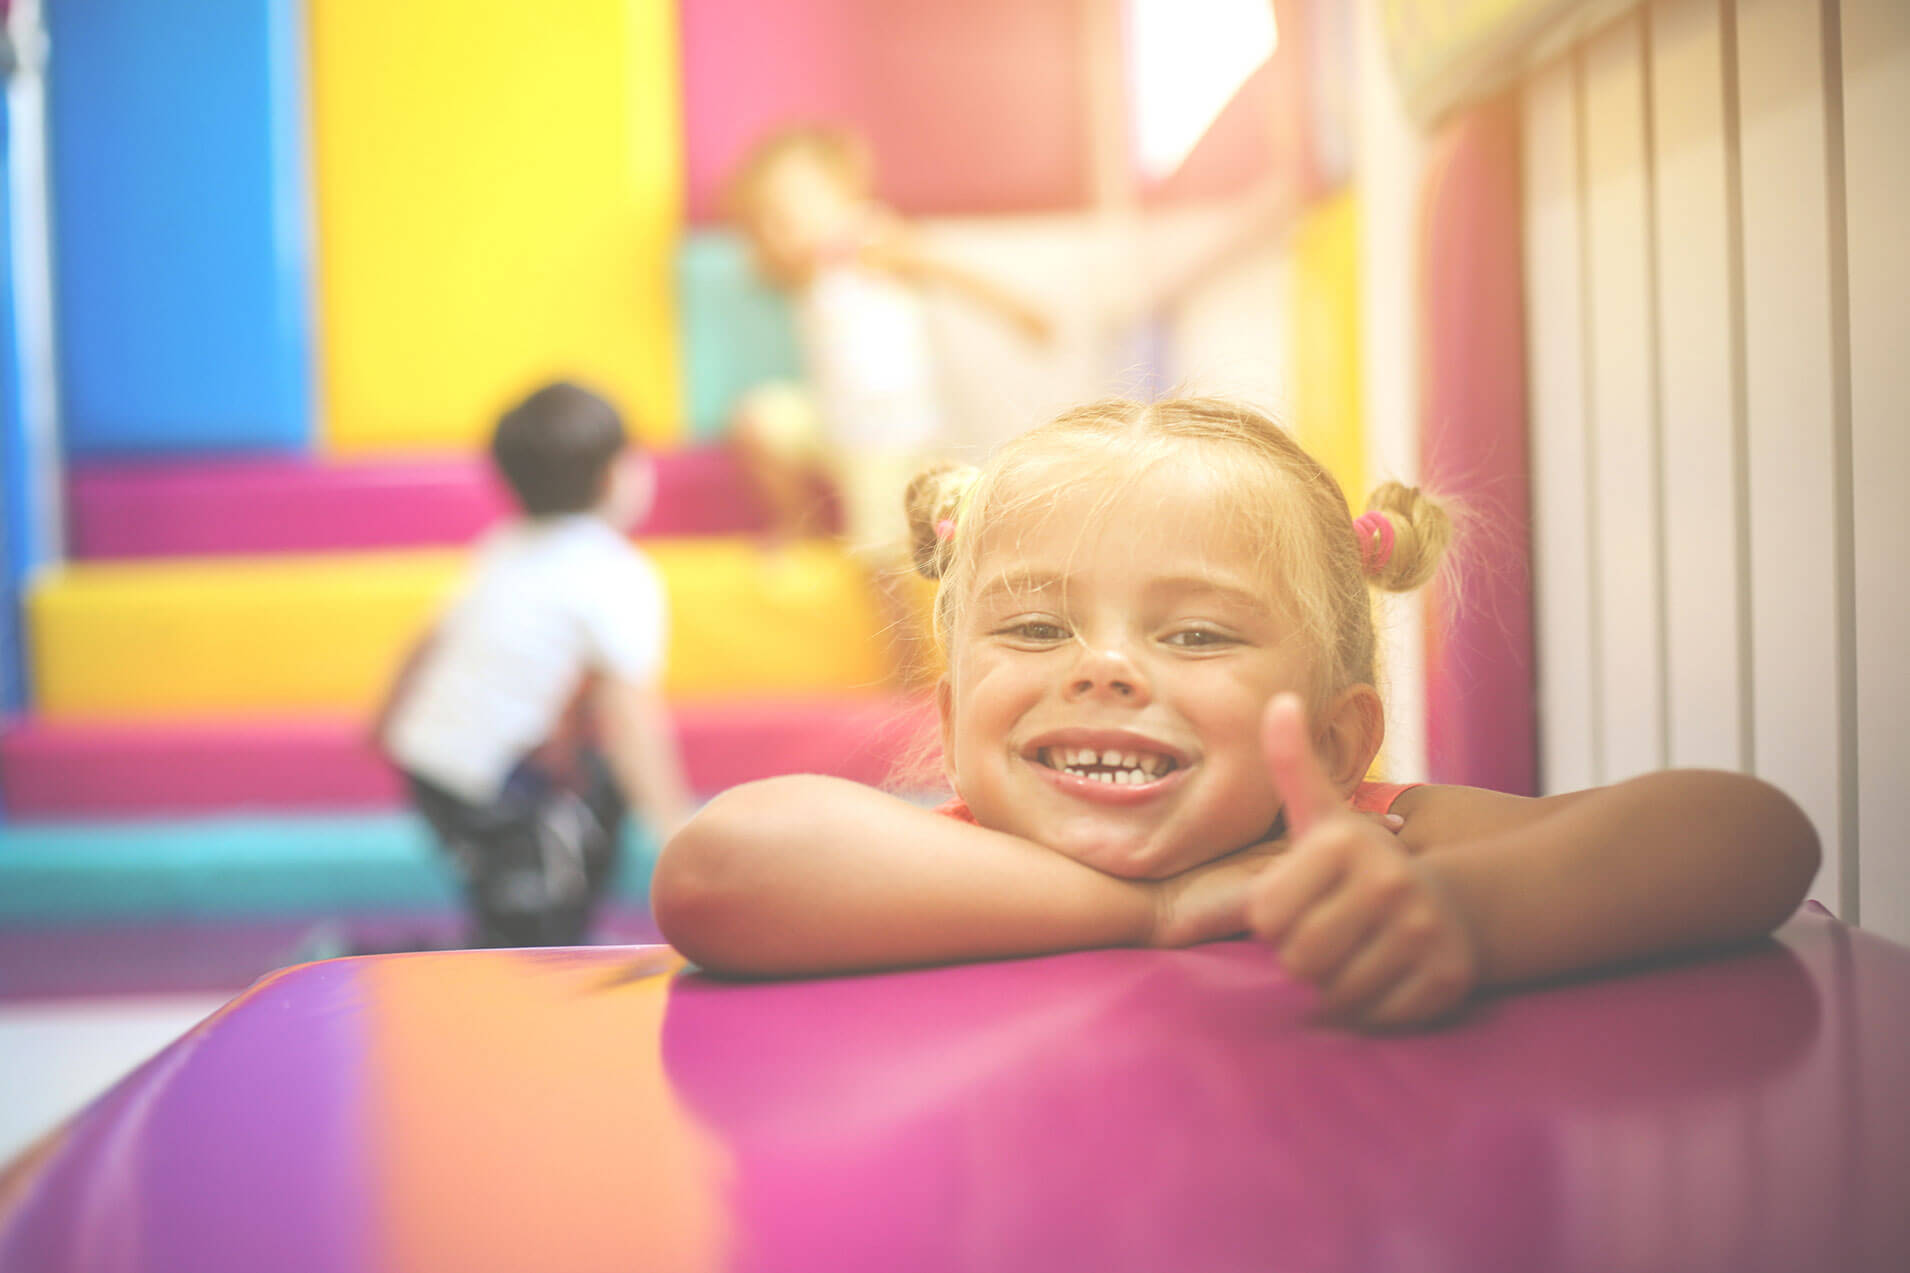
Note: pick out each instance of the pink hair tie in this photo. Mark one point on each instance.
(945, 529)
(1376, 541)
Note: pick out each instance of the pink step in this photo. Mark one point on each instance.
(67, 770)
(178, 508)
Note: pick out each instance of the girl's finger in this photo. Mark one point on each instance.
(1291, 885)
(1305, 791)
(1377, 966)
(1339, 923)
(1335, 929)
(1428, 992)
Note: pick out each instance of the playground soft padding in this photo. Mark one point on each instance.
(221, 868)
(1481, 718)
(238, 506)
(600, 1109)
(55, 769)
(210, 637)
(969, 106)
(181, 225)
(736, 331)
(498, 198)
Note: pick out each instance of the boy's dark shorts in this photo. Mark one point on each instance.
(535, 861)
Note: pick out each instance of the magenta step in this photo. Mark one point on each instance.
(66, 770)
(177, 508)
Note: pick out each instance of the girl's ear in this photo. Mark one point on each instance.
(945, 706)
(1350, 730)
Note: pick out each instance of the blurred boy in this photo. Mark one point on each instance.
(562, 619)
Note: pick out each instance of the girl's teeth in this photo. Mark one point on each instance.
(1126, 768)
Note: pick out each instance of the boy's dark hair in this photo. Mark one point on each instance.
(555, 446)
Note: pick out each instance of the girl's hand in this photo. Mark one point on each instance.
(1347, 908)
(1209, 902)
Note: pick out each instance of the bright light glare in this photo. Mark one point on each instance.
(1185, 61)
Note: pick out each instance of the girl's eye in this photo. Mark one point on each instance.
(1197, 638)
(1036, 630)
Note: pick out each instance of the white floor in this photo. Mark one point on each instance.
(55, 1056)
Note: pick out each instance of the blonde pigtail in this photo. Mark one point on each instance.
(1418, 531)
(934, 502)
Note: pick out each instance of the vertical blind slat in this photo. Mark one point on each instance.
(1562, 551)
(1697, 385)
(1790, 412)
(1624, 460)
(1876, 92)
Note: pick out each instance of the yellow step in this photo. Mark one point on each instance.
(209, 637)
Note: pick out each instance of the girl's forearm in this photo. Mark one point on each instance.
(1666, 862)
(805, 874)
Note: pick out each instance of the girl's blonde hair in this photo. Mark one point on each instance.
(1287, 498)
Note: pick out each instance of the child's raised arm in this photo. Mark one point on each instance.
(902, 252)
(1496, 889)
(806, 874)
(642, 750)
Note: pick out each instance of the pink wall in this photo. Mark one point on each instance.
(969, 105)
(1481, 727)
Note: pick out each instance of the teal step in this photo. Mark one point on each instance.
(233, 867)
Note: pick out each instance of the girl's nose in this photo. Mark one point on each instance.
(1109, 672)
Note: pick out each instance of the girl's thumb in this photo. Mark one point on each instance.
(1305, 790)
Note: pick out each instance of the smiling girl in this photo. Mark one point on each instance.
(1158, 716)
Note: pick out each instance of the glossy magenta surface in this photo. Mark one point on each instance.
(594, 1108)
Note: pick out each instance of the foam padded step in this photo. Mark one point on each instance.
(253, 505)
(200, 955)
(255, 635)
(221, 867)
(53, 769)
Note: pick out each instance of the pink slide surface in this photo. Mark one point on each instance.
(213, 507)
(600, 1108)
(50, 770)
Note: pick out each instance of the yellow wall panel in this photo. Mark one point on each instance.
(324, 633)
(499, 191)
(1327, 415)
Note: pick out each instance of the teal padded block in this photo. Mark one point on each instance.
(55, 873)
(736, 331)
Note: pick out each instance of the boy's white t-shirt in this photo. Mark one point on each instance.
(548, 600)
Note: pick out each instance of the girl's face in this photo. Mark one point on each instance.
(1109, 673)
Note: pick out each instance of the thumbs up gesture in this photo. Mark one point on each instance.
(1346, 907)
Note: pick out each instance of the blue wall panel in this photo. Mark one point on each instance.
(16, 527)
(181, 225)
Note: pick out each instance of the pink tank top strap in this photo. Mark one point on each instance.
(1378, 797)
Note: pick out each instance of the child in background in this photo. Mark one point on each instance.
(1158, 717)
(871, 411)
(561, 617)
